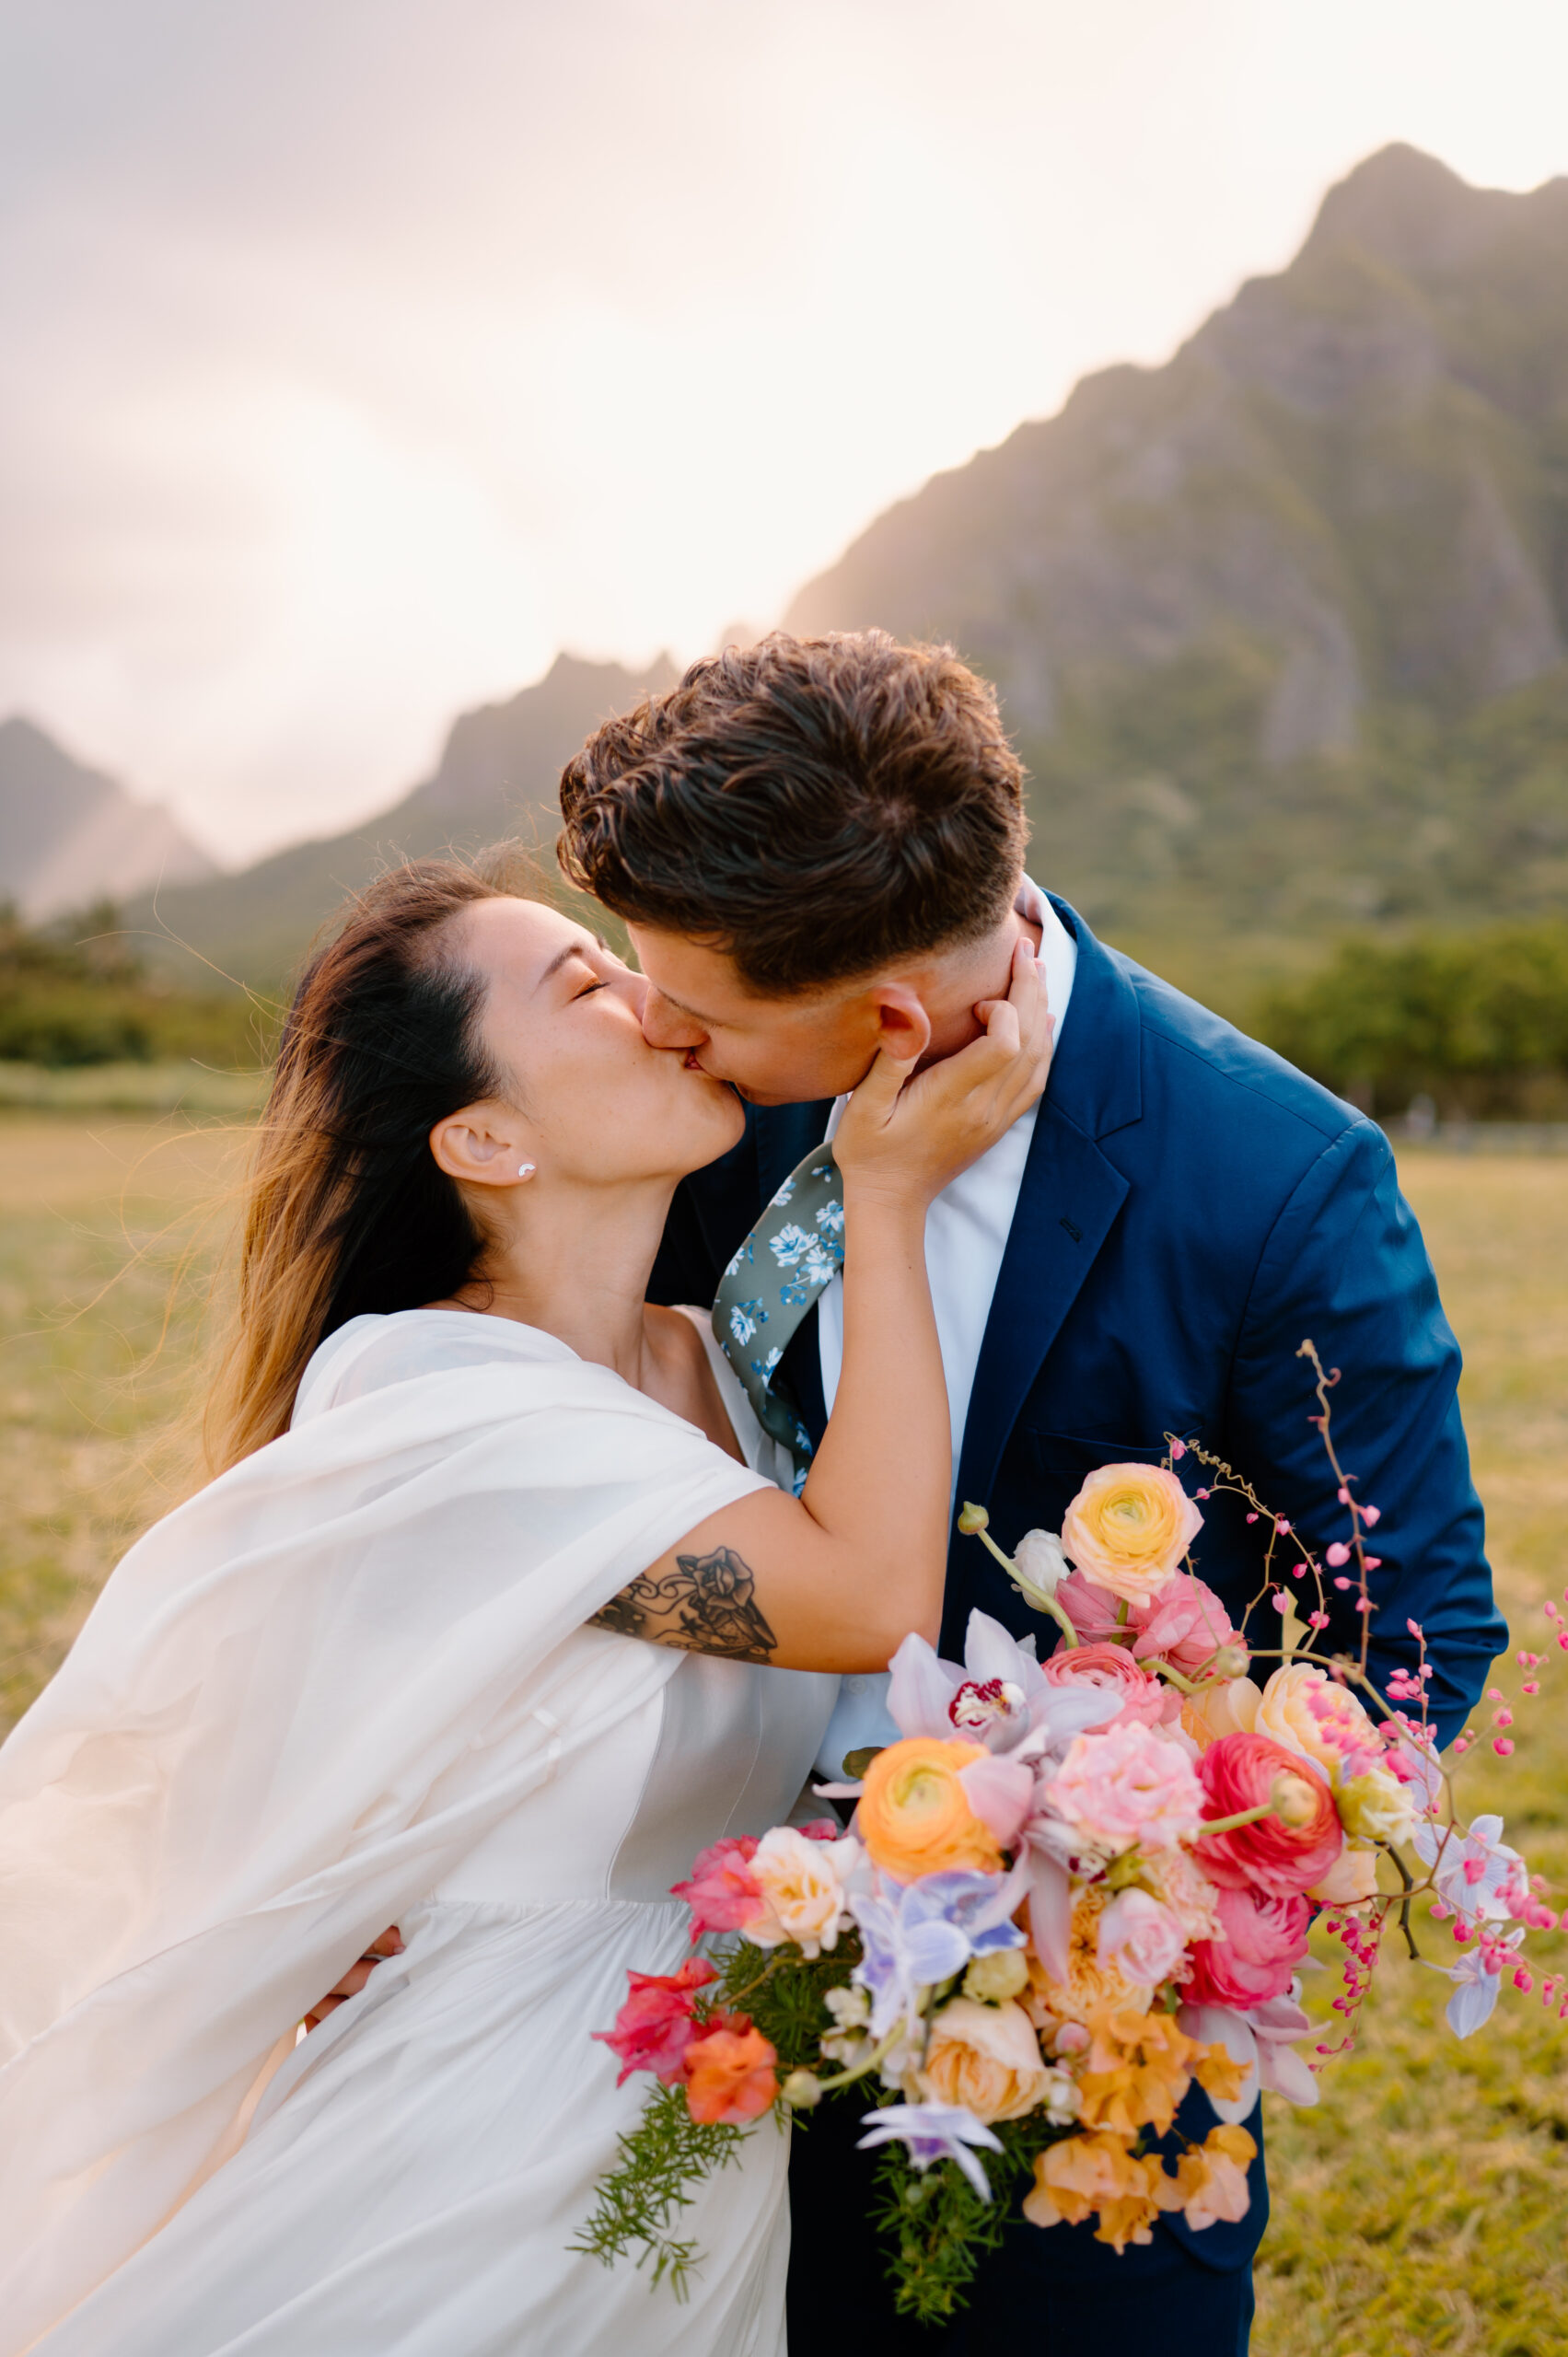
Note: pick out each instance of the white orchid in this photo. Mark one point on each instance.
(1475, 1872)
(1262, 2040)
(999, 1697)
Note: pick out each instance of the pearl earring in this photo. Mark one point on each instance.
(525, 1169)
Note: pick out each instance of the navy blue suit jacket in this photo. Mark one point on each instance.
(1192, 1210)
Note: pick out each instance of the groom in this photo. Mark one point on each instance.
(817, 848)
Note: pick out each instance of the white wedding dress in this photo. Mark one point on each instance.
(348, 1684)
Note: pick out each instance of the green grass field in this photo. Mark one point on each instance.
(1424, 2205)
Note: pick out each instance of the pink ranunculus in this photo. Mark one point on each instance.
(1143, 1937)
(1262, 1941)
(655, 2027)
(1294, 1843)
(722, 1893)
(1127, 1786)
(1145, 1701)
(1186, 1626)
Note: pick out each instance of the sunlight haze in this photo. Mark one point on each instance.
(360, 354)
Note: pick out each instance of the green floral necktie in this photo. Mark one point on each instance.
(772, 1281)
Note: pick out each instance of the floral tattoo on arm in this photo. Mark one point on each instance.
(708, 1604)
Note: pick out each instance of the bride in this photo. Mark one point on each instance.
(491, 1619)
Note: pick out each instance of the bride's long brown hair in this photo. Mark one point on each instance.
(344, 1207)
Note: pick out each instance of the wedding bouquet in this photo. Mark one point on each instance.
(1073, 1889)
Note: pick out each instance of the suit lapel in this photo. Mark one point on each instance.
(1067, 1207)
(1067, 1203)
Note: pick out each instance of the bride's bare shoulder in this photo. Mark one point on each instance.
(683, 1375)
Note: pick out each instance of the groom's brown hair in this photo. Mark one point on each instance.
(817, 808)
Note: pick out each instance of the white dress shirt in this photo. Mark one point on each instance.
(966, 1235)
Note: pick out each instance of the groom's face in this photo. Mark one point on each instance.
(774, 1051)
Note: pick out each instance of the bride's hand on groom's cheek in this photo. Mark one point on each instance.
(389, 1944)
(906, 1131)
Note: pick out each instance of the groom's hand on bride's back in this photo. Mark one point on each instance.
(925, 1130)
(389, 1944)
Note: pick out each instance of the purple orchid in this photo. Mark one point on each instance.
(915, 1935)
(934, 2132)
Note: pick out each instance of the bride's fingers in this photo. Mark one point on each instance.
(879, 1091)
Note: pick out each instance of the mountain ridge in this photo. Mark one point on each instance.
(1280, 626)
(69, 835)
(497, 774)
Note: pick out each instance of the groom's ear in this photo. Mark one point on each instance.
(903, 1025)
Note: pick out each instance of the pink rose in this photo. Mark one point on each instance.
(1145, 1701)
(1186, 1626)
(1094, 1613)
(655, 2027)
(1262, 1942)
(722, 1893)
(1141, 1938)
(1128, 1785)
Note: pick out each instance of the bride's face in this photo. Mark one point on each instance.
(563, 1018)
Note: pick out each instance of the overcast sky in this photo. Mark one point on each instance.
(357, 354)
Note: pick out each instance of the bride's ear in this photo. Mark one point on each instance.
(482, 1145)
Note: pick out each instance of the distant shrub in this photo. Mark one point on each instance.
(1478, 1022)
(74, 994)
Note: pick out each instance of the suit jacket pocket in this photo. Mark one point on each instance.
(1057, 1454)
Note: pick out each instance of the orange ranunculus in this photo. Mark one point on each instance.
(1082, 2175)
(1128, 1530)
(730, 2073)
(914, 1815)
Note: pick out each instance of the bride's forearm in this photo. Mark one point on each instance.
(881, 1479)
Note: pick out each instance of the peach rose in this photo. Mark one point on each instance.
(1351, 1878)
(1094, 1984)
(914, 1815)
(1229, 1707)
(986, 2058)
(1305, 1709)
(1129, 1527)
(1143, 1937)
(802, 1894)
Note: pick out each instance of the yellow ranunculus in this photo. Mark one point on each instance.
(914, 1815)
(986, 2058)
(1128, 1530)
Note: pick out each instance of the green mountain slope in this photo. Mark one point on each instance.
(497, 775)
(1281, 627)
